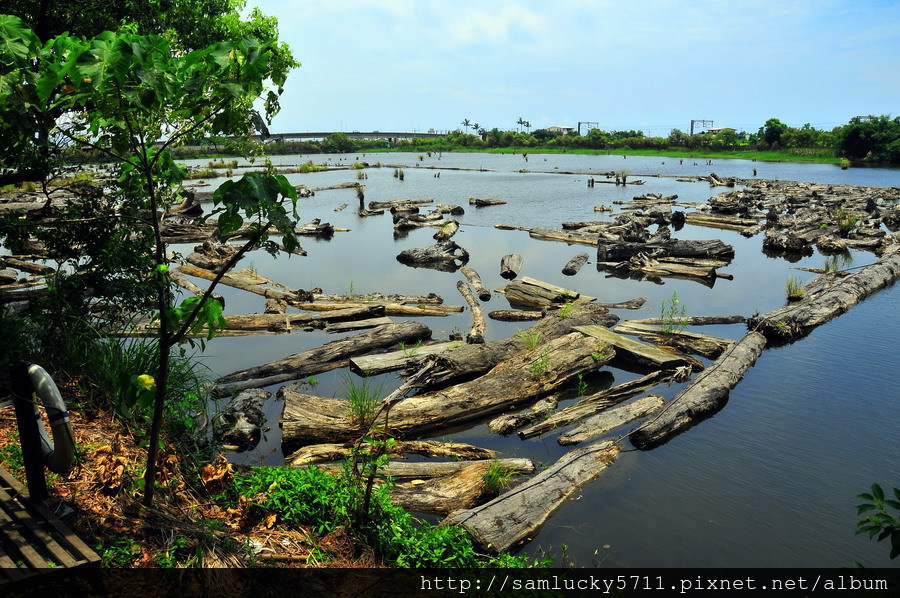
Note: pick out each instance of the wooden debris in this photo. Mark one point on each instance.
(462, 489)
(357, 324)
(285, 321)
(476, 334)
(440, 256)
(475, 280)
(317, 228)
(379, 363)
(447, 229)
(319, 453)
(574, 265)
(480, 203)
(640, 353)
(509, 422)
(530, 292)
(377, 205)
(689, 342)
(510, 266)
(597, 402)
(515, 315)
(705, 395)
(515, 516)
(618, 251)
(609, 420)
(25, 265)
(329, 356)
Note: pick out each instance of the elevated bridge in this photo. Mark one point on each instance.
(388, 135)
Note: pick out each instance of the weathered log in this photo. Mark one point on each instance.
(635, 352)
(234, 280)
(530, 292)
(212, 255)
(460, 490)
(329, 356)
(705, 395)
(317, 228)
(319, 453)
(511, 421)
(574, 265)
(635, 303)
(440, 256)
(25, 265)
(476, 334)
(689, 342)
(451, 209)
(693, 320)
(608, 420)
(240, 423)
(447, 229)
(480, 203)
(276, 306)
(597, 402)
(378, 298)
(515, 315)
(827, 297)
(721, 221)
(390, 309)
(376, 205)
(379, 363)
(577, 237)
(517, 379)
(357, 324)
(501, 523)
(433, 469)
(471, 360)
(510, 265)
(475, 280)
(614, 252)
(286, 321)
(655, 268)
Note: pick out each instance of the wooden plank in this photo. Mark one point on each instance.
(608, 420)
(642, 353)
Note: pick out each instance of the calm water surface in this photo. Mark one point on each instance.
(770, 481)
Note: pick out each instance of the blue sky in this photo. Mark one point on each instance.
(651, 65)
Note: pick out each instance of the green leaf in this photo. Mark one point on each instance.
(229, 222)
(860, 509)
(893, 503)
(877, 492)
(18, 42)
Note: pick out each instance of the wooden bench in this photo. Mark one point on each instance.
(32, 539)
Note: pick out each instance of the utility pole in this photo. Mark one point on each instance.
(587, 124)
(702, 123)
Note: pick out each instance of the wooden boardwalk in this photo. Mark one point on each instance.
(32, 539)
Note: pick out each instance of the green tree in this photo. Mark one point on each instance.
(871, 138)
(337, 143)
(133, 98)
(771, 132)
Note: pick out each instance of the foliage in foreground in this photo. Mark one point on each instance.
(326, 501)
(880, 522)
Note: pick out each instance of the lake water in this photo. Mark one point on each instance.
(770, 481)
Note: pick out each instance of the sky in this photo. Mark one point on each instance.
(649, 65)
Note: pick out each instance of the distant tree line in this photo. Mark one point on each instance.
(865, 139)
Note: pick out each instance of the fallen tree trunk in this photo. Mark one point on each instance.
(287, 320)
(481, 203)
(515, 315)
(827, 297)
(475, 280)
(329, 356)
(446, 230)
(574, 265)
(379, 363)
(530, 292)
(655, 268)
(597, 402)
(459, 490)
(641, 354)
(440, 256)
(520, 377)
(476, 334)
(501, 523)
(703, 396)
(609, 420)
(616, 252)
(377, 205)
(319, 453)
(510, 421)
(510, 265)
(357, 324)
(689, 342)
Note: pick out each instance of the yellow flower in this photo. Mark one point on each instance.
(146, 381)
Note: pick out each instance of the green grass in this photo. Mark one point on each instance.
(496, 478)
(364, 399)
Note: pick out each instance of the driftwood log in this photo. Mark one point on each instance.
(463, 489)
(601, 423)
(530, 292)
(447, 229)
(510, 266)
(329, 356)
(514, 516)
(641, 354)
(476, 334)
(515, 315)
(475, 280)
(689, 342)
(574, 265)
(616, 252)
(596, 403)
(320, 453)
(379, 363)
(441, 256)
(827, 297)
(519, 378)
(481, 203)
(286, 321)
(703, 397)
(509, 422)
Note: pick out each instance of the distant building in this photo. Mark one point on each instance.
(560, 130)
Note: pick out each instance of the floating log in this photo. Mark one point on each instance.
(515, 315)
(615, 252)
(475, 280)
(598, 401)
(357, 324)
(531, 292)
(239, 280)
(379, 363)
(285, 321)
(481, 203)
(451, 209)
(376, 205)
(693, 320)
(510, 266)
(511, 421)
(689, 342)
(430, 298)
(721, 221)
(329, 356)
(705, 395)
(574, 265)
(636, 303)
(656, 268)
(433, 469)
(447, 229)
(609, 420)
(476, 334)
(318, 453)
(462, 489)
(25, 265)
(528, 375)
(240, 423)
(634, 351)
(827, 297)
(468, 361)
(317, 228)
(501, 523)
(440, 256)
(212, 255)
(276, 306)
(390, 309)
(577, 237)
